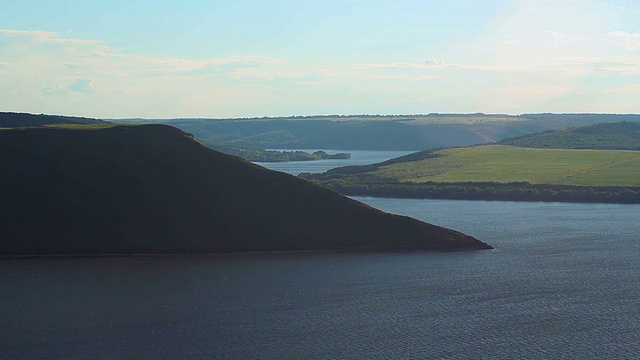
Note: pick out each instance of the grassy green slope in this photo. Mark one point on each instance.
(614, 136)
(504, 164)
(153, 189)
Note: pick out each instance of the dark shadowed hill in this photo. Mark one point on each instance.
(11, 120)
(153, 189)
(608, 136)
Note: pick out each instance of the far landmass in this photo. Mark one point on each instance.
(149, 189)
(608, 136)
(10, 120)
(378, 132)
(564, 165)
(262, 155)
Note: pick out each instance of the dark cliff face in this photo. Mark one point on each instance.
(153, 189)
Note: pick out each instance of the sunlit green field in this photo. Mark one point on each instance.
(499, 163)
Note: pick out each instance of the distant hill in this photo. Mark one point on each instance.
(354, 134)
(262, 155)
(559, 121)
(11, 120)
(612, 136)
(377, 132)
(153, 189)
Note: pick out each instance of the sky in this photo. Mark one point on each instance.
(254, 58)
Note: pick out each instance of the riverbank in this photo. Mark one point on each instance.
(519, 191)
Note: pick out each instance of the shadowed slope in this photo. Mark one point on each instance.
(153, 189)
(11, 120)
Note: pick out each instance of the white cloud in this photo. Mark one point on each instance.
(511, 42)
(48, 37)
(434, 62)
(631, 89)
(91, 57)
(560, 39)
(52, 78)
(436, 65)
(34, 33)
(513, 70)
(630, 41)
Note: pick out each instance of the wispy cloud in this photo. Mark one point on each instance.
(439, 65)
(578, 65)
(556, 38)
(631, 89)
(92, 57)
(630, 41)
(44, 71)
(294, 76)
(47, 37)
(84, 86)
(130, 84)
(434, 62)
(516, 69)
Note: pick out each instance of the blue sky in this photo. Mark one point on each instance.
(160, 59)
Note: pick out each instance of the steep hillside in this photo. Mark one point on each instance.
(611, 136)
(153, 189)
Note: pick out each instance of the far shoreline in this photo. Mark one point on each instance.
(366, 250)
(513, 192)
(358, 197)
(560, 201)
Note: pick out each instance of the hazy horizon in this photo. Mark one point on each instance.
(211, 59)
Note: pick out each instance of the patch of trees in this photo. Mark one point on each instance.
(518, 191)
(262, 155)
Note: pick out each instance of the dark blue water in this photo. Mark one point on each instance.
(358, 157)
(563, 282)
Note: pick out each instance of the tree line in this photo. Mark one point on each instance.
(517, 191)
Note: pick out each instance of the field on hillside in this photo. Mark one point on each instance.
(465, 119)
(504, 164)
(436, 119)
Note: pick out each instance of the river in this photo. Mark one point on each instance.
(562, 282)
(358, 157)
